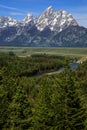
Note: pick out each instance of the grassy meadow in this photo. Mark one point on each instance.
(27, 51)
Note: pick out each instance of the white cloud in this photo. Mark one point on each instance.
(8, 7)
(13, 11)
(16, 13)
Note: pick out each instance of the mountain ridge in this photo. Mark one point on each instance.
(51, 28)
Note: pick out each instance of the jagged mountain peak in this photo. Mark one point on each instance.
(45, 18)
(47, 13)
(55, 20)
(7, 21)
(50, 28)
(63, 19)
(49, 9)
(28, 18)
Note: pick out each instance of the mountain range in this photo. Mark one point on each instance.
(50, 29)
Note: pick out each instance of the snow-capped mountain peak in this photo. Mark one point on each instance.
(49, 10)
(7, 21)
(45, 18)
(28, 18)
(50, 29)
(55, 20)
(50, 7)
(62, 19)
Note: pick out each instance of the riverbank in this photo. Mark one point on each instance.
(81, 60)
(73, 66)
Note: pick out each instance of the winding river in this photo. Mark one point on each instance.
(73, 65)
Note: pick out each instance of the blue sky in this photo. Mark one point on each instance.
(19, 8)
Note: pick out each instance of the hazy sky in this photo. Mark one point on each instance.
(19, 8)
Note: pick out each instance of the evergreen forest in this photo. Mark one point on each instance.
(30, 99)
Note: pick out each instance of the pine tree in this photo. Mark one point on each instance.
(73, 110)
(48, 112)
(20, 111)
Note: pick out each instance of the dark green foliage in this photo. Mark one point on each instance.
(20, 111)
(30, 66)
(59, 105)
(11, 53)
(32, 102)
